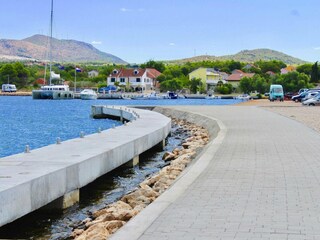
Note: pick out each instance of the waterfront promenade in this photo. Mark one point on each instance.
(259, 179)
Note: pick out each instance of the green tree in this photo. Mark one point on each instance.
(153, 64)
(7, 71)
(195, 84)
(314, 73)
(293, 81)
(273, 66)
(171, 85)
(246, 85)
(305, 68)
(259, 83)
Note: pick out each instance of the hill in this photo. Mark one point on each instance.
(245, 56)
(35, 47)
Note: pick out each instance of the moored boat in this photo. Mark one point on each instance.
(53, 91)
(88, 94)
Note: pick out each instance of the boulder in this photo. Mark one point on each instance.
(113, 226)
(96, 231)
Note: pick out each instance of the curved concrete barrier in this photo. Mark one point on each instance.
(138, 225)
(29, 181)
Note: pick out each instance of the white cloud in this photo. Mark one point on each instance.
(172, 44)
(125, 10)
(96, 42)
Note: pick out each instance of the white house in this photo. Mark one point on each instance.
(93, 73)
(137, 79)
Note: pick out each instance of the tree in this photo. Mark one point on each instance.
(171, 85)
(273, 66)
(153, 64)
(293, 81)
(314, 73)
(224, 88)
(195, 85)
(234, 65)
(246, 85)
(259, 83)
(8, 71)
(305, 68)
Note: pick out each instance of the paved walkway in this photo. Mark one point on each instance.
(263, 182)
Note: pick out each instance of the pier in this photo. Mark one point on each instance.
(53, 175)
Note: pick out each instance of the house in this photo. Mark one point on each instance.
(287, 69)
(209, 77)
(137, 78)
(236, 76)
(270, 73)
(93, 73)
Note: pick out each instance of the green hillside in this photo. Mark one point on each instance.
(245, 56)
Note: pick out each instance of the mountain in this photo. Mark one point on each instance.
(246, 56)
(35, 47)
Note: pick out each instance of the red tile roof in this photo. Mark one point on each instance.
(153, 73)
(237, 71)
(127, 72)
(238, 76)
(123, 72)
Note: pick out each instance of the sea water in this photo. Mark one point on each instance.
(38, 123)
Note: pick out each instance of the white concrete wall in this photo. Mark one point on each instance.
(29, 181)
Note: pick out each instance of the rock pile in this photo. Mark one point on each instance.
(114, 216)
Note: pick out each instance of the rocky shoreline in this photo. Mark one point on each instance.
(107, 221)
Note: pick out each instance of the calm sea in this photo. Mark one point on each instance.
(38, 123)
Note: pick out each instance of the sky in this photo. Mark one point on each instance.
(142, 30)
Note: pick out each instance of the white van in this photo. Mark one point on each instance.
(8, 88)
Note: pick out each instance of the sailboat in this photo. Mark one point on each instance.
(53, 91)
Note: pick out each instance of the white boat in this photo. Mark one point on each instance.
(151, 96)
(53, 91)
(88, 94)
(244, 97)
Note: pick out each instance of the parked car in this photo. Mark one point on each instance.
(301, 90)
(289, 95)
(312, 101)
(297, 98)
(310, 94)
(107, 89)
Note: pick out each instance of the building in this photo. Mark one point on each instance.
(93, 73)
(236, 76)
(209, 77)
(136, 79)
(287, 69)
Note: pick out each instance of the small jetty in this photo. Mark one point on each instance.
(55, 174)
(15, 93)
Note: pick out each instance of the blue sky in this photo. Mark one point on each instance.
(140, 30)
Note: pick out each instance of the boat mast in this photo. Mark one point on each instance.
(50, 43)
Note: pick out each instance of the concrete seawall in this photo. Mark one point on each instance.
(55, 173)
